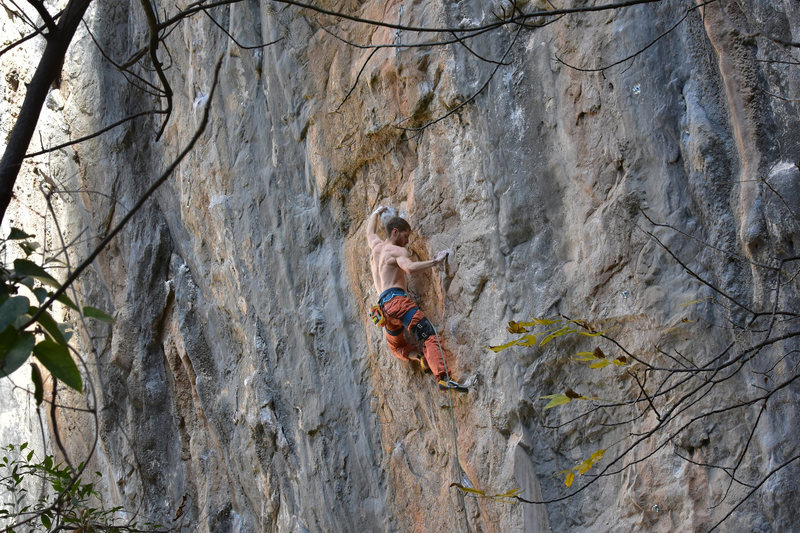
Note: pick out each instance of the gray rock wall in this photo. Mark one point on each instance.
(243, 387)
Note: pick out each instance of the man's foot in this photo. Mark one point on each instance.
(449, 384)
(422, 364)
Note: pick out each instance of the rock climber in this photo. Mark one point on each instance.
(390, 261)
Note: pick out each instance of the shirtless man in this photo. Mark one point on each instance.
(390, 261)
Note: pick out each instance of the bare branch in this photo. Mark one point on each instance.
(125, 67)
(38, 5)
(136, 207)
(152, 25)
(519, 19)
(95, 134)
(755, 488)
(232, 38)
(47, 71)
(638, 52)
(471, 98)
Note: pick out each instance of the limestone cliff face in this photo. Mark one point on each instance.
(242, 376)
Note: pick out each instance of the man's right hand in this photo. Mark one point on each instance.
(380, 209)
(441, 256)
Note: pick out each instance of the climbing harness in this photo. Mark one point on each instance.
(376, 311)
(423, 329)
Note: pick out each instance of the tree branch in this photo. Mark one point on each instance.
(136, 207)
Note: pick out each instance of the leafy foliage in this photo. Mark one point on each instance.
(529, 337)
(582, 468)
(597, 358)
(27, 327)
(66, 503)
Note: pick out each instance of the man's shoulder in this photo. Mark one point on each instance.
(397, 251)
(389, 248)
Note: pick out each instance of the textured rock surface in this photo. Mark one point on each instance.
(242, 376)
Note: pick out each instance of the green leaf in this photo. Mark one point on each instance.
(11, 309)
(20, 348)
(23, 267)
(38, 384)
(55, 357)
(64, 299)
(93, 312)
(50, 326)
(41, 294)
(29, 247)
(17, 234)
(46, 521)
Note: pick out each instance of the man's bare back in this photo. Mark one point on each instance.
(390, 260)
(385, 271)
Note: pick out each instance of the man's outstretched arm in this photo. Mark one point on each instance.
(372, 226)
(412, 267)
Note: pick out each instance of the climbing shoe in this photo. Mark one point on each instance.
(449, 384)
(422, 364)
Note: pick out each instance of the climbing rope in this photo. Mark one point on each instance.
(454, 430)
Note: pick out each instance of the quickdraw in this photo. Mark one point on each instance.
(376, 314)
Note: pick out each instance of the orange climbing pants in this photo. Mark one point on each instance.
(402, 313)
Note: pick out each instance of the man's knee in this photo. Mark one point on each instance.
(423, 329)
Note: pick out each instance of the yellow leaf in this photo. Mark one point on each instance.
(468, 489)
(502, 346)
(509, 494)
(585, 356)
(544, 321)
(692, 302)
(588, 334)
(588, 463)
(596, 456)
(600, 364)
(555, 400)
(620, 361)
(527, 340)
(570, 478)
(516, 327)
(557, 333)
